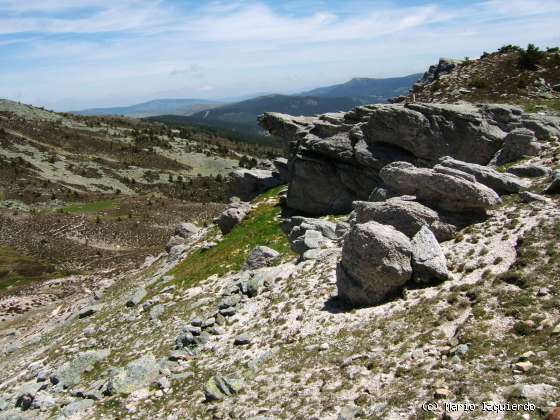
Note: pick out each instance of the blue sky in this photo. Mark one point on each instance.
(72, 54)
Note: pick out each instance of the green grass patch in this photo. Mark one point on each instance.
(261, 227)
(91, 207)
(17, 269)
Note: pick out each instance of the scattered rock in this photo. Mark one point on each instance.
(529, 197)
(136, 297)
(69, 374)
(260, 256)
(77, 407)
(156, 312)
(232, 216)
(186, 230)
(376, 262)
(529, 171)
(428, 260)
(219, 387)
(311, 239)
(242, 340)
(248, 183)
(173, 242)
(531, 392)
(89, 311)
(137, 374)
(554, 186)
(518, 143)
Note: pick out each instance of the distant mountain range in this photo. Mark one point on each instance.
(375, 89)
(156, 107)
(241, 116)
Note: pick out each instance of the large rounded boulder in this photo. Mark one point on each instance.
(376, 263)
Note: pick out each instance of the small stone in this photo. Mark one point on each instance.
(89, 331)
(202, 339)
(208, 322)
(196, 322)
(76, 407)
(442, 393)
(524, 366)
(461, 349)
(89, 311)
(180, 355)
(527, 355)
(194, 330)
(242, 340)
(163, 383)
(219, 387)
(156, 311)
(228, 311)
(220, 320)
(324, 346)
(136, 297)
(216, 330)
(556, 330)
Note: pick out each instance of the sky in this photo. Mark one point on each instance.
(76, 54)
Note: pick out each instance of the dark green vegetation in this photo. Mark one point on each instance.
(17, 269)
(262, 227)
(227, 136)
(90, 207)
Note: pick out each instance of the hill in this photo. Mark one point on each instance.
(155, 107)
(372, 90)
(504, 76)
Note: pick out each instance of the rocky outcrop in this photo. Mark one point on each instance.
(554, 186)
(186, 230)
(438, 190)
(248, 183)
(376, 262)
(407, 216)
(518, 143)
(443, 67)
(261, 256)
(232, 216)
(502, 183)
(529, 171)
(281, 165)
(135, 375)
(336, 159)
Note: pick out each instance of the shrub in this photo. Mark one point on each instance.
(530, 58)
(479, 83)
(513, 277)
(521, 328)
(510, 48)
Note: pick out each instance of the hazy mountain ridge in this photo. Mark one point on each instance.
(155, 107)
(241, 116)
(381, 89)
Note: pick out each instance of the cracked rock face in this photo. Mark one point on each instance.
(342, 154)
(444, 191)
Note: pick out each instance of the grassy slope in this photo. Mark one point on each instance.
(262, 227)
(17, 269)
